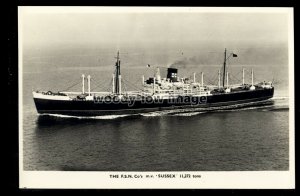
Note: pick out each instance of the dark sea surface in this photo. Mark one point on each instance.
(250, 137)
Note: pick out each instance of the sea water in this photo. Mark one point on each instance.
(249, 138)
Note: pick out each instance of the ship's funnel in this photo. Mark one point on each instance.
(172, 74)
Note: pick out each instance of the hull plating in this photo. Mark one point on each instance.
(93, 107)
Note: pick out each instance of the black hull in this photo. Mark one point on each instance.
(93, 108)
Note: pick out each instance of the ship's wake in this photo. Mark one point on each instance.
(274, 104)
(105, 117)
(269, 105)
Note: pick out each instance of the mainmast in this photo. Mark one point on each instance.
(224, 68)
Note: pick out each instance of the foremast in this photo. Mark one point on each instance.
(117, 89)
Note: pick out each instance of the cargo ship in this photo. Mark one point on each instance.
(158, 93)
